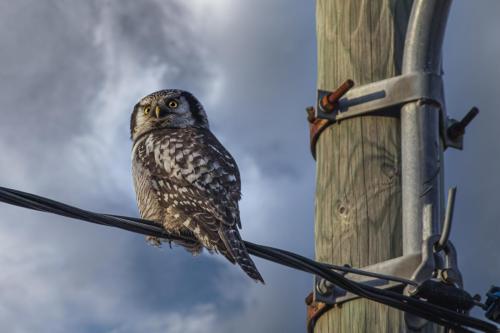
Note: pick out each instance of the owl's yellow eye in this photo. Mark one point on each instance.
(173, 104)
(146, 110)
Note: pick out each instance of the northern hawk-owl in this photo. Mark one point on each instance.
(184, 178)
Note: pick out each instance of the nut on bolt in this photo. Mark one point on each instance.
(311, 117)
(330, 102)
(325, 287)
(458, 129)
(327, 104)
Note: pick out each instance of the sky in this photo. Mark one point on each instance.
(70, 73)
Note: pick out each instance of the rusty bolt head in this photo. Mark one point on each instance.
(311, 117)
(330, 101)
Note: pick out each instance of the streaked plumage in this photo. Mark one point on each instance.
(184, 178)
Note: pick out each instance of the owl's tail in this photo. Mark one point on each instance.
(239, 253)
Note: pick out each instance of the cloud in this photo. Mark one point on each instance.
(201, 318)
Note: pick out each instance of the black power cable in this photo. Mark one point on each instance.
(429, 311)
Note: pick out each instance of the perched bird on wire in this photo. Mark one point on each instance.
(184, 178)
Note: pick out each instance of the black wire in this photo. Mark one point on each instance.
(429, 311)
(31, 201)
(379, 294)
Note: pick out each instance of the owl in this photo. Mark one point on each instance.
(184, 179)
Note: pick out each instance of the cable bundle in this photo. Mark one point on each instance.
(423, 309)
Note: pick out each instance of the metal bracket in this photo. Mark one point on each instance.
(382, 94)
(416, 267)
(434, 265)
(437, 260)
(352, 102)
(403, 267)
(406, 274)
(398, 90)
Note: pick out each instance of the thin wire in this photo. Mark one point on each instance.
(371, 274)
(429, 311)
(448, 218)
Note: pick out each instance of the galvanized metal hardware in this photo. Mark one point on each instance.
(325, 295)
(383, 94)
(416, 274)
(401, 267)
(453, 130)
(344, 103)
(411, 270)
(440, 265)
(448, 218)
(422, 126)
(458, 128)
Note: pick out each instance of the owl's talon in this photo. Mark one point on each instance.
(153, 241)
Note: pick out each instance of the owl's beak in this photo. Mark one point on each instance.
(160, 110)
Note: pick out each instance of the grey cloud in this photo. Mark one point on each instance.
(47, 70)
(269, 118)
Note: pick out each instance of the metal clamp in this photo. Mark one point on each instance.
(344, 103)
(401, 267)
(383, 94)
(414, 268)
(441, 265)
(437, 260)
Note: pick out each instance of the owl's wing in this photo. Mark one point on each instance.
(194, 176)
(215, 169)
(194, 164)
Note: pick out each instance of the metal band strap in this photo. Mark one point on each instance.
(314, 311)
(375, 97)
(383, 94)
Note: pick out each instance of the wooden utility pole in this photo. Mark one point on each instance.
(358, 182)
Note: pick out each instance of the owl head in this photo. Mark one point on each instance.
(170, 108)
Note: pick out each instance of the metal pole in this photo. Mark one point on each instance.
(421, 147)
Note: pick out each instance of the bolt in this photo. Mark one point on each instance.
(329, 102)
(458, 129)
(310, 114)
(325, 287)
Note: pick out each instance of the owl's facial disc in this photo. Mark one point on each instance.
(171, 108)
(166, 106)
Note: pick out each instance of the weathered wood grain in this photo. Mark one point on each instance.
(358, 182)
